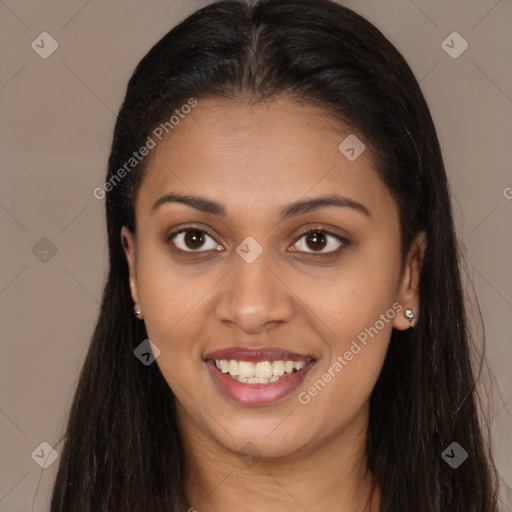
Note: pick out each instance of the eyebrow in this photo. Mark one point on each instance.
(302, 206)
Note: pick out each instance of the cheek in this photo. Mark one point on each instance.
(355, 351)
(355, 293)
(176, 316)
(173, 300)
(355, 304)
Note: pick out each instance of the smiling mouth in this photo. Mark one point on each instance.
(259, 372)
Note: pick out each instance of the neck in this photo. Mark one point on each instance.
(328, 475)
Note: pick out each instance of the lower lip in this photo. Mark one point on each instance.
(257, 394)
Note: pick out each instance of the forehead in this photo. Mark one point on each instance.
(256, 155)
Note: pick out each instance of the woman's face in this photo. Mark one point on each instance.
(247, 283)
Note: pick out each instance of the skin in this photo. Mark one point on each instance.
(254, 160)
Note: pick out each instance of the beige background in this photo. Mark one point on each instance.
(57, 117)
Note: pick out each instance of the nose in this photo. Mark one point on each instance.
(253, 297)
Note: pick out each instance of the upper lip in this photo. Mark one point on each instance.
(257, 354)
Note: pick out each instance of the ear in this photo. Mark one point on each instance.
(409, 290)
(128, 241)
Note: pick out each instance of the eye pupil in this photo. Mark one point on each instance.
(194, 239)
(317, 238)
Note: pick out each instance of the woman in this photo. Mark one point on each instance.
(280, 228)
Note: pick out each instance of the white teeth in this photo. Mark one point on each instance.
(288, 366)
(261, 372)
(233, 367)
(245, 369)
(254, 380)
(278, 368)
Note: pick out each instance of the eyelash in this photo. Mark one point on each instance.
(344, 243)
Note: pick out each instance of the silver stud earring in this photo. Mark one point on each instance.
(138, 313)
(409, 314)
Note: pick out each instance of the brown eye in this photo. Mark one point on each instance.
(320, 241)
(194, 240)
(316, 240)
